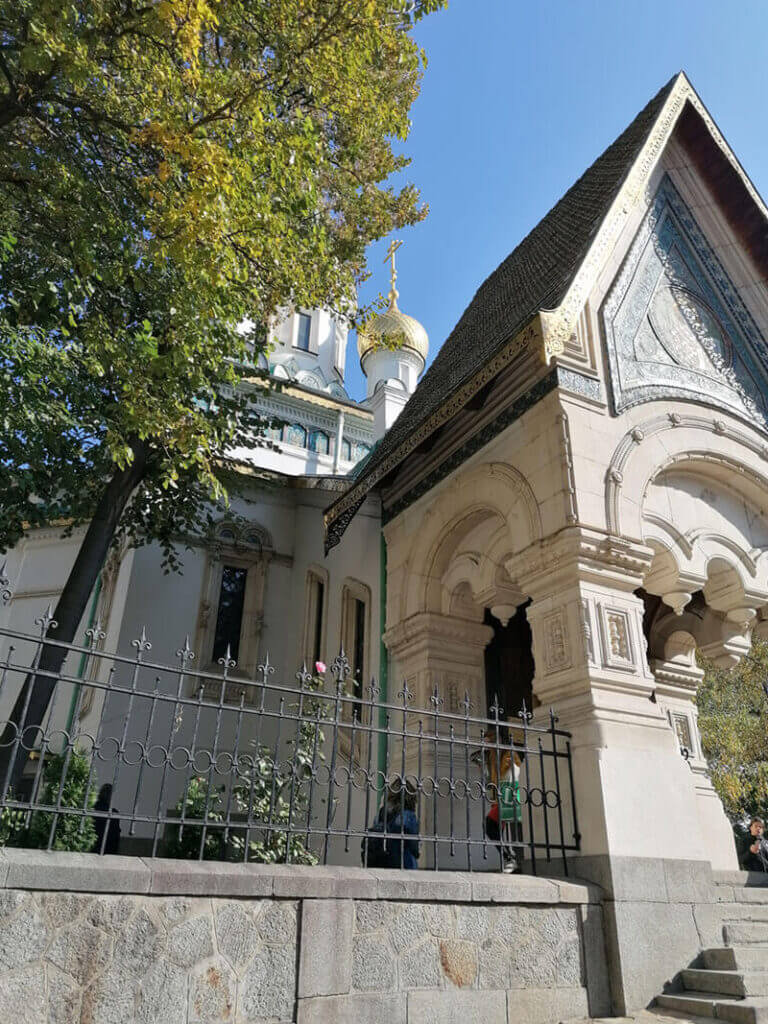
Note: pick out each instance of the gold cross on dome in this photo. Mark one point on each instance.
(394, 245)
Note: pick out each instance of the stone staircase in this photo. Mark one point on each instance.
(730, 983)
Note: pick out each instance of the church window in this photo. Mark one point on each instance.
(356, 599)
(294, 434)
(314, 617)
(319, 442)
(358, 651)
(229, 618)
(302, 335)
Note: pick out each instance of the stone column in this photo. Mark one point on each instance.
(431, 650)
(591, 666)
(635, 795)
(677, 679)
(438, 660)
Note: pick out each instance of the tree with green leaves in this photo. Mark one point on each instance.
(733, 722)
(169, 170)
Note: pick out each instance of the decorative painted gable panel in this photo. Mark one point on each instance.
(674, 324)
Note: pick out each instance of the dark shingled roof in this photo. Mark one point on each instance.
(535, 276)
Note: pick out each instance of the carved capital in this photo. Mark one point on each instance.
(578, 554)
(439, 633)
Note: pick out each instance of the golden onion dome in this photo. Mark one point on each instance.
(392, 329)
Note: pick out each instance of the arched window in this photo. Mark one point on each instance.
(346, 450)
(295, 434)
(360, 451)
(319, 442)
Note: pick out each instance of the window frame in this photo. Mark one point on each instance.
(255, 559)
(352, 591)
(300, 319)
(313, 433)
(287, 439)
(226, 564)
(315, 575)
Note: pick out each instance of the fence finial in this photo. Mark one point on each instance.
(142, 644)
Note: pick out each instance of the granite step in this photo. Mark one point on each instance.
(726, 982)
(716, 1005)
(701, 1004)
(740, 933)
(748, 1011)
(736, 958)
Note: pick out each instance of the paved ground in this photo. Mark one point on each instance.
(646, 1017)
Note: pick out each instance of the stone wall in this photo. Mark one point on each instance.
(89, 940)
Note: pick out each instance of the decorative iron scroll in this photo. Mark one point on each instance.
(293, 772)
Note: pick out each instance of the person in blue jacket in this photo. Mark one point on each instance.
(397, 814)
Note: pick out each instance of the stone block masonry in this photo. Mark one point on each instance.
(176, 943)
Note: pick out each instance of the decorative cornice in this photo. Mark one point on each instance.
(590, 554)
(437, 630)
(296, 411)
(673, 679)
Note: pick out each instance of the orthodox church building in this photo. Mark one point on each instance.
(569, 504)
(261, 584)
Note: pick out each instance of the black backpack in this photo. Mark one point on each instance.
(377, 856)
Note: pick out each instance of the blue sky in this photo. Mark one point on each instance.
(519, 98)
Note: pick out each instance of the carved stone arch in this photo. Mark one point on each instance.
(492, 572)
(227, 532)
(684, 563)
(462, 571)
(715, 547)
(495, 494)
(643, 454)
(431, 561)
(659, 531)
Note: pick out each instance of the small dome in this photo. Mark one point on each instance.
(393, 330)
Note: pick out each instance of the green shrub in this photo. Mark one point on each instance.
(11, 824)
(73, 832)
(271, 794)
(183, 839)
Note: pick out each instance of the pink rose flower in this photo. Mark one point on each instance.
(320, 667)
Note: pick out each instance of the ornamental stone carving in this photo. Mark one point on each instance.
(675, 326)
(557, 654)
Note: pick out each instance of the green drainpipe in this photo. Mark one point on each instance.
(383, 656)
(84, 657)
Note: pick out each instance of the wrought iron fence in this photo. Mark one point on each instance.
(160, 759)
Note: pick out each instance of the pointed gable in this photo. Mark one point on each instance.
(551, 272)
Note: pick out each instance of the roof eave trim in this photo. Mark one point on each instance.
(528, 338)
